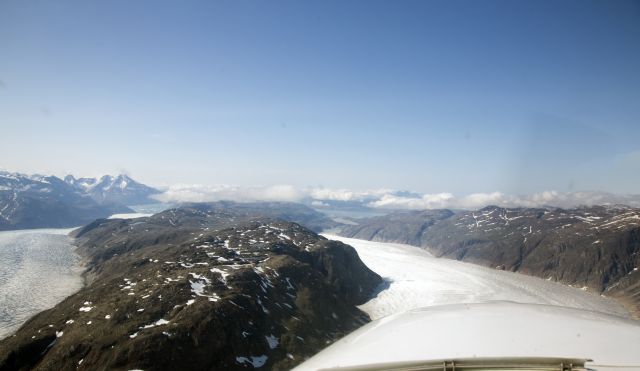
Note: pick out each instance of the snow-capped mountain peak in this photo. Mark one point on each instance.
(113, 189)
(36, 201)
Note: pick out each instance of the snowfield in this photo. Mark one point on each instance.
(417, 279)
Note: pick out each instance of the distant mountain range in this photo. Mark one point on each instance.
(120, 189)
(37, 201)
(596, 248)
(221, 286)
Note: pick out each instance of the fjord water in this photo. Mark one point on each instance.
(38, 269)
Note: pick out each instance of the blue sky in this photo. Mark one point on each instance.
(430, 96)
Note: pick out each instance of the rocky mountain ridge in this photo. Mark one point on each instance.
(299, 213)
(198, 287)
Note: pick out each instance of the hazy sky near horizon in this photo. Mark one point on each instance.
(431, 96)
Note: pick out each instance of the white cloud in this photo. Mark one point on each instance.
(328, 194)
(203, 193)
(388, 199)
(428, 201)
(479, 200)
(332, 194)
(316, 203)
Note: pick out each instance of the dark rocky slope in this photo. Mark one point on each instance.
(408, 227)
(198, 288)
(34, 201)
(591, 247)
(291, 211)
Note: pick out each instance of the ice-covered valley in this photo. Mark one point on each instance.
(416, 279)
(38, 268)
(428, 314)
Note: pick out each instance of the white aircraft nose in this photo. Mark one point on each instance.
(488, 332)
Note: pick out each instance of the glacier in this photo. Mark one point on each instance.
(416, 279)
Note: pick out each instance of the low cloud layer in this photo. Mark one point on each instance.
(328, 194)
(479, 200)
(204, 193)
(389, 199)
